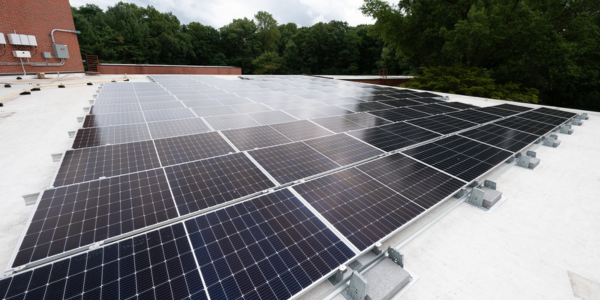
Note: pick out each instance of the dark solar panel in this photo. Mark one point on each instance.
(270, 247)
(513, 107)
(78, 215)
(375, 98)
(290, 162)
(177, 127)
(231, 122)
(525, 125)
(300, 130)
(389, 115)
(365, 119)
(544, 118)
(343, 149)
(382, 139)
(415, 181)
(358, 206)
(458, 105)
(505, 138)
(255, 137)
(188, 148)
(433, 109)
(157, 265)
(91, 137)
(207, 111)
(442, 124)
(214, 181)
(411, 132)
(426, 94)
(497, 111)
(474, 116)
(458, 156)
(556, 112)
(92, 163)
(168, 114)
(113, 119)
(271, 117)
(338, 124)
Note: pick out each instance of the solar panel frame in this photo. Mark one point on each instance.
(172, 128)
(301, 130)
(255, 137)
(187, 148)
(99, 136)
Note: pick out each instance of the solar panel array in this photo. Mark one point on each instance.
(205, 187)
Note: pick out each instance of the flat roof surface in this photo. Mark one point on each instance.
(542, 242)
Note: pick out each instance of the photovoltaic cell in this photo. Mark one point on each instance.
(544, 118)
(442, 124)
(433, 109)
(505, 138)
(113, 119)
(201, 102)
(474, 116)
(161, 105)
(290, 162)
(231, 122)
(270, 247)
(188, 148)
(382, 139)
(458, 105)
(98, 109)
(358, 206)
(556, 112)
(401, 102)
(338, 124)
(98, 136)
(343, 149)
(207, 111)
(214, 181)
(513, 107)
(255, 137)
(92, 163)
(525, 125)
(168, 114)
(157, 265)
(271, 117)
(366, 106)
(300, 130)
(78, 215)
(250, 108)
(415, 181)
(497, 111)
(177, 127)
(411, 132)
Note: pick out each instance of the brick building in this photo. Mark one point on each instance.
(38, 19)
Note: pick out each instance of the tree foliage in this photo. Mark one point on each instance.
(127, 33)
(549, 45)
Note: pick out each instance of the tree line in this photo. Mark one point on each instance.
(537, 51)
(128, 33)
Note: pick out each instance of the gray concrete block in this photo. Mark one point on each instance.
(533, 162)
(385, 280)
(491, 197)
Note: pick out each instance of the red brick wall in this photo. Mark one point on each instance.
(149, 69)
(38, 18)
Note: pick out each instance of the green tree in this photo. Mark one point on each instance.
(240, 44)
(268, 63)
(267, 30)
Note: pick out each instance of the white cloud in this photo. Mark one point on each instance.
(218, 13)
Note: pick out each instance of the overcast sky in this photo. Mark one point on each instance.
(218, 13)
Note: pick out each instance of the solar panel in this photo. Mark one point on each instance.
(92, 163)
(474, 116)
(433, 109)
(188, 148)
(341, 100)
(161, 105)
(382, 139)
(528, 126)
(505, 138)
(98, 136)
(282, 105)
(207, 111)
(250, 108)
(290, 162)
(411, 132)
(458, 105)
(548, 119)
(365, 119)
(556, 112)
(401, 102)
(425, 94)
(358, 206)
(300, 130)
(156, 265)
(415, 181)
(309, 103)
(366, 106)
(234, 101)
(206, 183)
(513, 107)
(271, 117)
(497, 111)
(458, 156)
(255, 137)
(442, 124)
(306, 113)
(78, 215)
(270, 247)
(113, 119)
(343, 149)
(202, 103)
(399, 114)
(99, 109)
(168, 114)
(231, 122)
(173, 128)
(151, 99)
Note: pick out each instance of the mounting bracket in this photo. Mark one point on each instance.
(358, 288)
(396, 256)
(566, 129)
(552, 141)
